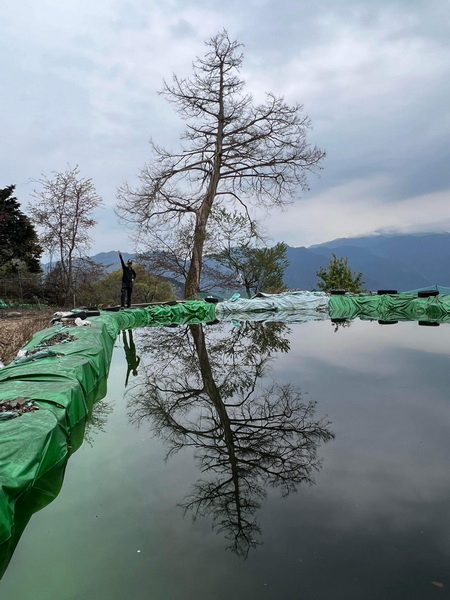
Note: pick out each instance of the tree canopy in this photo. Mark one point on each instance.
(18, 238)
(235, 154)
(257, 269)
(339, 276)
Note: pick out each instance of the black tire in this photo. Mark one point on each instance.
(381, 322)
(212, 300)
(429, 323)
(427, 293)
(337, 292)
(383, 292)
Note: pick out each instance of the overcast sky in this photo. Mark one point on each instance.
(79, 83)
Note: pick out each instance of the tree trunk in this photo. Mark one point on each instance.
(192, 286)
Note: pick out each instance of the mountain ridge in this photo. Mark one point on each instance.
(402, 261)
(389, 261)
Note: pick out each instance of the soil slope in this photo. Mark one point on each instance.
(17, 327)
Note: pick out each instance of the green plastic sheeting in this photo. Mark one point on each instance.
(63, 383)
(390, 307)
(295, 302)
(46, 487)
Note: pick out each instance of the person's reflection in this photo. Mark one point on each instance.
(130, 354)
(248, 433)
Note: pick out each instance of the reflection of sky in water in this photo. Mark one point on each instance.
(376, 525)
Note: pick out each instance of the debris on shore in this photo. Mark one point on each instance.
(10, 409)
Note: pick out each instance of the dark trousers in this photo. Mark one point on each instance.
(125, 294)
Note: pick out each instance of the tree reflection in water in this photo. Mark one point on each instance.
(211, 390)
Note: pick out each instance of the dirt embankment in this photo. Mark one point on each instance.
(17, 327)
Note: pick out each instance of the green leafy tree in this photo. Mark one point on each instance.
(339, 276)
(18, 238)
(257, 269)
(235, 154)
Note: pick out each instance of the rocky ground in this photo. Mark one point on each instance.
(17, 327)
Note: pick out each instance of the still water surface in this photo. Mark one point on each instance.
(351, 426)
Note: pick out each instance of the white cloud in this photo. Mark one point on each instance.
(359, 206)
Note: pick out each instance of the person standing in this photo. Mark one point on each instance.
(128, 277)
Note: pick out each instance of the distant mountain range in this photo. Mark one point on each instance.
(111, 259)
(401, 262)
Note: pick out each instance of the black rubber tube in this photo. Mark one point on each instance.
(427, 293)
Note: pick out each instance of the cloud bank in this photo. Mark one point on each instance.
(80, 83)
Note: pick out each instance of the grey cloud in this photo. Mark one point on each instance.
(183, 29)
(373, 78)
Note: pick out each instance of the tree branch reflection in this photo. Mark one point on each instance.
(213, 393)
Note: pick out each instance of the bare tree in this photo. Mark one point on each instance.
(234, 153)
(64, 214)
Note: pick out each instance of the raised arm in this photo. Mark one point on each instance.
(121, 259)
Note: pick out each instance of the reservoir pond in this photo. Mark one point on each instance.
(253, 461)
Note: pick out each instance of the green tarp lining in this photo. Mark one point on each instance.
(299, 302)
(41, 493)
(62, 386)
(31, 444)
(45, 488)
(390, 307)
(292, 307)
(304, 306)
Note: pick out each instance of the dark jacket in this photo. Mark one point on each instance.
(128, 274)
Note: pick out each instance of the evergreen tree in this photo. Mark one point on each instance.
(339, 276)
(18, 238)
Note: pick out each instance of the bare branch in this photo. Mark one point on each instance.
(63, 213)
(234, 151)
